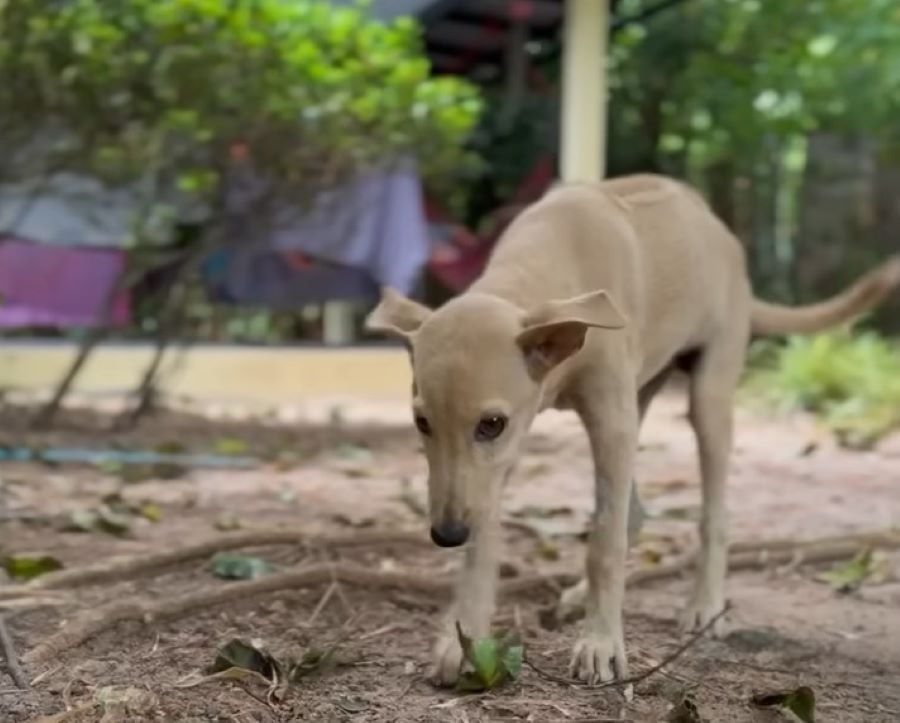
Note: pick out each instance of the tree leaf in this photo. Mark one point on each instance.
(150, 511)
(82, 521)
(351, 704)
(231, 446)
(231, 566)
(312, 661)
(801, 702)
(848, 576)
(112, 522)
(28, 567)
(485, 659)
(684, 711)
(227, 522)
(494, 661)
(237, 653)
(512, 659)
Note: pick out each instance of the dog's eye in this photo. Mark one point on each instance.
(490, 427)
(422, 425)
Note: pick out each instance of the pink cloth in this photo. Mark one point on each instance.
(62, 287)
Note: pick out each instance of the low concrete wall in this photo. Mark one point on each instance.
(256, 375)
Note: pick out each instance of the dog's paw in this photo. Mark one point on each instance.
(599, 659)
(446, 660)
(700, 612)
(571, 602)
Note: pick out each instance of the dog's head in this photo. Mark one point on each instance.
(479, 366)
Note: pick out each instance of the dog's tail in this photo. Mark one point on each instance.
(869, 291)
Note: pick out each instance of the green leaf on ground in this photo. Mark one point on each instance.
(354, 452)
(313, 661)
(231, 446)
(249, 661)
(800, 702)
(848, 576)
(231, 566)
(494, 661)
(350, 704)
(100, 519)
(112, 521)
(239, 654)
(28, 567)
(684, 711)
(228, 522)
(170, 447)
(150, 511)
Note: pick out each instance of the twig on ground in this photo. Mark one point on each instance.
(322, 603)
(674, 655)
(92, 622)
(641, 677)
(12, 660)
(127, 567)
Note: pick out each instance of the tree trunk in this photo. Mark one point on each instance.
(170, 320)
(837, 215)
(46, 414)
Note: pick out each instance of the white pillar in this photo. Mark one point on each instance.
(338, 323)
(583, 126)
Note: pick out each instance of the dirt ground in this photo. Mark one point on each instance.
(363, 472)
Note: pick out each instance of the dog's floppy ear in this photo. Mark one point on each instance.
(555, 330)
(396, 315)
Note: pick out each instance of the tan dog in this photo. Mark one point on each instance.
(593, 295)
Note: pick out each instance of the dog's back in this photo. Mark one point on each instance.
(652, 242)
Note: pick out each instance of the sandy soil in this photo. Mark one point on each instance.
(364, 471)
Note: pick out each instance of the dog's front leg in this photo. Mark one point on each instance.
(475, 594)
(611, 422)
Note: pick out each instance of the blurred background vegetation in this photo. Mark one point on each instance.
(782, 113)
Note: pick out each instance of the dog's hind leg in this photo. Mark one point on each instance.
(714, 378)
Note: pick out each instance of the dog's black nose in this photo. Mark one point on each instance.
(450, 534)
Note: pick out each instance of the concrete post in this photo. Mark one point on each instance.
(584, 90)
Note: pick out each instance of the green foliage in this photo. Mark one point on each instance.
(28, 567)
(800, 703)
(186, 90)
(718, 79)
(233, 566)
(848, 576)
(494, 661)
(852, 381)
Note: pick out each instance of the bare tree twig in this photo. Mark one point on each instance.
(127, 567)
(641, 677)
(12, 661)
(93, 622)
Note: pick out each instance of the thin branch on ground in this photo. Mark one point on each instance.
(93, 622)
(12, 660)
(322, 603)
(641, 677)
(127, 567)
(760, 555)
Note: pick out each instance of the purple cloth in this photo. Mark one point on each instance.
(62, 287)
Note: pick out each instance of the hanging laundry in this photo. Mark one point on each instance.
(69, 209)
(286, 281)
(60, 287)
(375, 224)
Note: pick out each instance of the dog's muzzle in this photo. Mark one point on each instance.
(450, 534)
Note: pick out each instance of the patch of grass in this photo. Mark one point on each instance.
(852, 381)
